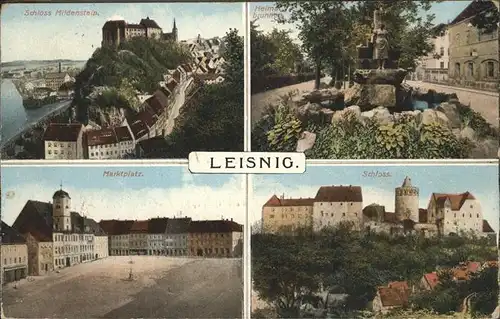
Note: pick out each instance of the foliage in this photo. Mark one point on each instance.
(142, 61)
(488, 17)
(273, 52)
(438, 141)
(213, 119)
(331, 30)
(448, 295)
(475, 121)
(284, 135)
(288, 271)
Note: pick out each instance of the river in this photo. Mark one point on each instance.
(14, 117)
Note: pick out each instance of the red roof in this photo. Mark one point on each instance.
(63, 132)
(155, 105)
(339, 194)
(140, 226)
(432, 279)
(393, 297)
(473, 266)
(456, 200)
(101, 137)
(399, 285)
(123, 134)
(486, 227)
(274, 201)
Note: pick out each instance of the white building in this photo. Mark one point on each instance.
(14, 255)
(110, 143)
(336, 204)
(64, 141)
(156, 236)
(435, 65)
(455, 213)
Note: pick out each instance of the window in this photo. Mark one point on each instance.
(490, 69)
(441, 65)
(457, 69)
(49, 144)
(441, 51)
(471, 206)
(343, 214)
(470, 69)
(5, 261)
(50, 152)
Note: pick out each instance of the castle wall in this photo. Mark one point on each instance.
(329, 214)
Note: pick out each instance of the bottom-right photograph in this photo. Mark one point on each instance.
(399, 241)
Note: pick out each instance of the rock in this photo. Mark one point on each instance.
(468, 133)
(485, 149)
(380, 114)
(368, 96)
(306, 141)
(310, 112)
(387, 76)
(321, 95)
(430, 116)
(327, 115)
(341, 115)
(299, 100)
(451, 112)
(496, 313)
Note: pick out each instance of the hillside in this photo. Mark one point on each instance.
(138, 64)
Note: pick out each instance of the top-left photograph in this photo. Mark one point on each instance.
(121, 80)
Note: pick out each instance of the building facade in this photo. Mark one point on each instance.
(280, 214)
(63, 141)
(176, 237)
(473, 51)
(336, 204)
(118, 31)
(138, 238)
(435, 65)
(215, 238)
(14, 255)
(118, 236)
(109, 143)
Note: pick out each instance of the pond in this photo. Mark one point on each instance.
(422, 105)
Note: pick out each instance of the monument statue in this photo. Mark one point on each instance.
(379, 40)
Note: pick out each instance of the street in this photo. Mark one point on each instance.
(179, 102)
(162, 287)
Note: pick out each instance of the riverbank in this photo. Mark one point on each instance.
(32, 135)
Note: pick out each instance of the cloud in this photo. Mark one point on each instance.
(115, 18)
(195, 201)
(55, 37)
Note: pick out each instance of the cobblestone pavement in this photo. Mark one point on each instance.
(162, 287)
(485, 103)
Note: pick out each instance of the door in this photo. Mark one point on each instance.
(200, 252)
(68, 262)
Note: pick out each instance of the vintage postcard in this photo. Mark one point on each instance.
(121, 81)
(375, 79)
(121, 242)
(382, 242)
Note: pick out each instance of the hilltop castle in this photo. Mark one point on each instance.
(445, 213)
(115, 32)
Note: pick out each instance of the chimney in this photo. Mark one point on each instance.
(59, 67)
(282, 196)
(231, 219)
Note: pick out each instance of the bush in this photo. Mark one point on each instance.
(475, 121)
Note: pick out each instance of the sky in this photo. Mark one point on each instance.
(160, 191)
(444, 12)
(44, 37)
(480, 180)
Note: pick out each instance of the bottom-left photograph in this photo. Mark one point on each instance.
(121, 242)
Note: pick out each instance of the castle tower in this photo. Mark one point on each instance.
(61, 211)
(406, 201)
(174, 32)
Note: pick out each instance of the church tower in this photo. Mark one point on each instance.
(406, 202)
(174, 32)
(61, 211)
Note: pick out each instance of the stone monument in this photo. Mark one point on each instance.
(378, 80)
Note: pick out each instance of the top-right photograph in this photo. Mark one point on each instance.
(376, 79)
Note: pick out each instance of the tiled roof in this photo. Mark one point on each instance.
(165, 92)
(155, 105)
(274, 201)
(55, 75)
(35, 218)
(153, 146)
(214, 226)
(422, 215)
(177, 76)
(135, 26)
(149, 23)
(161, 97)
(123, 134)
(157, 225)
(138, 128)
(432, 279)
(399, 285)
(9, 235)
(393, 297)
(339, 194)
(456, 200)
(178, 225)
(116, 227)
(486, 227)
(103, 136)
(62, 132)
(139, 226)
(473, 266)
